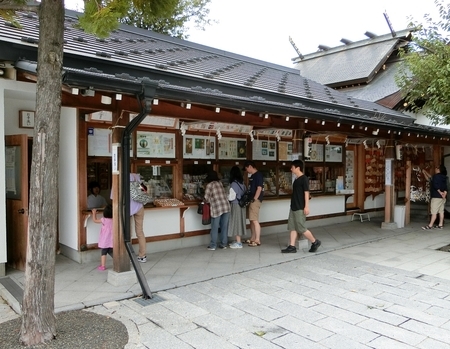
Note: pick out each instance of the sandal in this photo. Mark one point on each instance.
(254, 244)
(427, 227)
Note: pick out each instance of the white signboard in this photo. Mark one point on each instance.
(155, 145)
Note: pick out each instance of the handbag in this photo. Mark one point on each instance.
(200, 207)
(138, 194)
(206, 215)
(246, 199)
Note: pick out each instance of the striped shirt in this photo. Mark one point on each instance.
(217, 198)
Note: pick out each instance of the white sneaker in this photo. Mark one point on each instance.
(142, 259)
(236, 245)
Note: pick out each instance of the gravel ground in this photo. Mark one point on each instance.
(75, 330)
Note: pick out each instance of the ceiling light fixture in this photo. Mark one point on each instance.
(217, 110)
(155, 101)
(242, 112)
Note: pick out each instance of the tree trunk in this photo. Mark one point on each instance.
(38, 318)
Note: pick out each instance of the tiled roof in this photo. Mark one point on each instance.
(191, 67)
(382, 86)
(357, 62)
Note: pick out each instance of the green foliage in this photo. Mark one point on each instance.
(174, 19)
(425, 75)
(8, 11)
(163, 16)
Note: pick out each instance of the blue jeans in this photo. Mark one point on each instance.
(222, 223)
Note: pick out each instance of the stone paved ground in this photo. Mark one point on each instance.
(6, 312)
(326, 301)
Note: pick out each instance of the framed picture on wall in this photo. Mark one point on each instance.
(26, 119)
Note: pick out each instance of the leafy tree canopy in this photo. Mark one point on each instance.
(163, 16)
(425, 76)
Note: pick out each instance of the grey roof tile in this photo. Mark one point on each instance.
(148, 52)
(355, 62)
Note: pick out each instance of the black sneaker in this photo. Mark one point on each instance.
(315, 245)
(289, 249)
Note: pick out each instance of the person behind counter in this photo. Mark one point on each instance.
(95, 200)
(220, 208)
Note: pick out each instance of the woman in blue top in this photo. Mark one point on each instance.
(237, 224)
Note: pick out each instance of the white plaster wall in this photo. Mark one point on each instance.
(376, 202)
(166, 221)
(14, 96)
(68, 179)
(17, 96)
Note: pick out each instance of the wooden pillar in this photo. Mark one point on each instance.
(121, 260)
(389, 188)
(408, 193)
(359, 180)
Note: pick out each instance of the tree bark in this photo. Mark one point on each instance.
(38, 318)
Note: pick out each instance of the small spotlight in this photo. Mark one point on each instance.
(75, 91)
(389, 131)
(118, 96)
(323, 122)
(365, 128)
(306, 121)
(353, 126)
(338, 124)
(266, 116)
(242, 112)
(217, 110)
(155, 101)
(287, 118)
(188, 105)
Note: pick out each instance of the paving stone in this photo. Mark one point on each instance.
(346, 330)
(406, 336)
(202, 339)
(433, 332)
(302, 328)
(340, 342)
(418, 315)
(388, 343)
(293, 340)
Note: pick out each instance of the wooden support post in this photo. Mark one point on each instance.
(389, 187)
(408, 193)
(121, 260)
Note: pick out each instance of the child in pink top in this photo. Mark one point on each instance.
(105, 241)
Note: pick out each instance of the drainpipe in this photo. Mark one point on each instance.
(145, 101)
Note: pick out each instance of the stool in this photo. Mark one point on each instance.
(361, 215)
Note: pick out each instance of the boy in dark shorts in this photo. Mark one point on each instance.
(299, 210)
